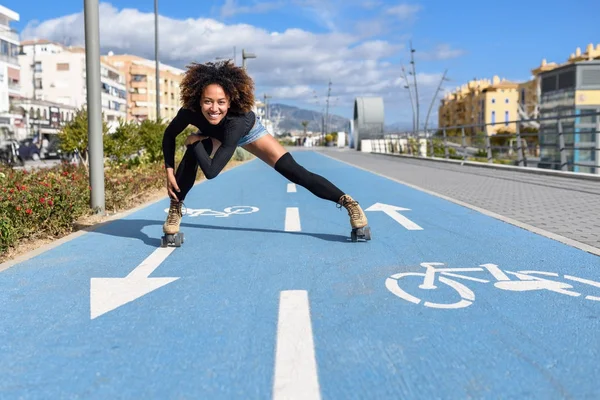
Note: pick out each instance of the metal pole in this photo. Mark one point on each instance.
(464, 143)
(412, 61)
(488, 148)
(156, 60)
(519, 146)
(561, 144)
(433, 100)
(94, 105)
(446, 155)
(327, 110)
(409, 95)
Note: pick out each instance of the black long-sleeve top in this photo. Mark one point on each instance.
(229, 132)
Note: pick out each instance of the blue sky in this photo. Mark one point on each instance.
(359, 45)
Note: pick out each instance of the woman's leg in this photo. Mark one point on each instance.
(269, 150)
(185, 175)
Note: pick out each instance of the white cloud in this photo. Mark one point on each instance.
(404, 11)
(231, 8)
(290, 65)
(441, 52)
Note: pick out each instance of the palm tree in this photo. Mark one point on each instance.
(305, 124)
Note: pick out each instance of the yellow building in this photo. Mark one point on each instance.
(481, 102)
(141, 87)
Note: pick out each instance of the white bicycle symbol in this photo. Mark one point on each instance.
(197, 212)
(526, 282)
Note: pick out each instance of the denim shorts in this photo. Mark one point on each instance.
(257, 131)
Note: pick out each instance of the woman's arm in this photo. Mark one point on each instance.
(175, 127)
(235, 128)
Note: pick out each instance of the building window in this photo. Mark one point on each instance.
(493, 100)
(506, 118)
(493, 117)
(38, 66)
(506, 101)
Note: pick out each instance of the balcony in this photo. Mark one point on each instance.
(139, 97)
(138, 84)
(14, 87)
(139, 111)
(9, 59)
(9, 35)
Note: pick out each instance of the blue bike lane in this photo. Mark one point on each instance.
(269, 298)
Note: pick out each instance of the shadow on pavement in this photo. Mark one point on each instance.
(132, 228)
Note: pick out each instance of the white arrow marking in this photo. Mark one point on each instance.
(106, 294)
(393, 212)
(295, 363)
(291, 188)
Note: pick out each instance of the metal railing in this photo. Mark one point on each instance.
(564, 142)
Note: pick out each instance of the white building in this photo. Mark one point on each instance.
(9, 74)
(55, 73)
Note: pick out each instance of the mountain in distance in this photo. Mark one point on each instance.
(292, 117)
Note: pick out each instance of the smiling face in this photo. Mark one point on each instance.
(214, 103)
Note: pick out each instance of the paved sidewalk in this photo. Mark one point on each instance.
(564, 206)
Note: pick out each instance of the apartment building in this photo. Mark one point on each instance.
(140, 82)
(10, 122)
(571, 88)
(484, 105)
(55, 73)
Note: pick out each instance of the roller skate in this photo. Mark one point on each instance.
(358, 219)
(172, 236)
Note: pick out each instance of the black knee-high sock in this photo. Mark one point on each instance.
(316, 184)
(188, 168)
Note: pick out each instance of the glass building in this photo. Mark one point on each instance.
(570, 90)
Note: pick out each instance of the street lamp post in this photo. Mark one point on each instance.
(246, 56)
(414, 73)
(412, 105)
(156, 60)
(94, 105)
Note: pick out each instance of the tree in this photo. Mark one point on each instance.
(124, 143)
(304, 125)
(74, 136)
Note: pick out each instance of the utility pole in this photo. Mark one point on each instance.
(156, 60)
(327, 109)
(414, 73)
(94, 104)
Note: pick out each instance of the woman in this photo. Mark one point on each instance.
(218, 98)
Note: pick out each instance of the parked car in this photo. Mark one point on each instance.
(53, 150)
(28, 150)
